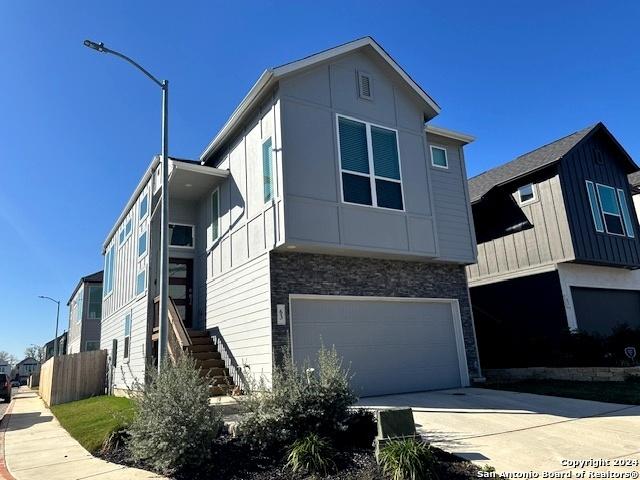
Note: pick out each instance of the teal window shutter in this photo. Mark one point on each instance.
(267, 169)
(354, 154)
(595, 208)
(385, 153)
(628, 224)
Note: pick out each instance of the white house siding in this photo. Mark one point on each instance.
(74, 334)
(123, 299)
(235, 296)
(592, 276)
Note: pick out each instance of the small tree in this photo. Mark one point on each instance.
(35, 351)
(174, 426)
(7, 357)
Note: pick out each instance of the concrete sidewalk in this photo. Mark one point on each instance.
(37, 447)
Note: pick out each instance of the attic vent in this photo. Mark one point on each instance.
(364, 85)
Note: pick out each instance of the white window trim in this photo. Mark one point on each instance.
(123, 229)
(193, 236)
(446, 157)
(534, 190)
(215, 215)
(112, 272)
(126, 358)
(602, 212)
(146, 283)
(146, 214)
(146, 244)
(371, 175)
(273, 188)
(621, 197)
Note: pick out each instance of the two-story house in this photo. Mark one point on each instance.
(558, 245)
(326, 211)
(25, 368)
(85, 313)
(5, 367)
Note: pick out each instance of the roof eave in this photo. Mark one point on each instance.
(464, 138)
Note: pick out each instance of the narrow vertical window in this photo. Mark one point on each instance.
(215, 215)
(595, 207)
(109, 265)
(267, 169)
(141, 282)
(144, 207)
(628, 224)
(127, 336)
(142, 244)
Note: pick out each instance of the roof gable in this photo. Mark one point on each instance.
(270, 76)
(537, 159)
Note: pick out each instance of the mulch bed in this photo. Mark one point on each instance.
(234, 461)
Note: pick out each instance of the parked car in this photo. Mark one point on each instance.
(15, 383)
(5, 387)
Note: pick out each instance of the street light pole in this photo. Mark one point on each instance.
(164, 210)
(55, 339)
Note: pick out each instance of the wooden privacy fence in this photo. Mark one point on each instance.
(73, 377)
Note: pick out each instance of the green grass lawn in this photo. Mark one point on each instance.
(90, 421)
(613, 392)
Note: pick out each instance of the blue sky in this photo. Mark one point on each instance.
(77, 129)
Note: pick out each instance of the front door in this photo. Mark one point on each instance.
(181, 287)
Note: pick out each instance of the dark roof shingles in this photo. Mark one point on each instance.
(534, 160)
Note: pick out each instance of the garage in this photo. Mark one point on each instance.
(599, 310)
(392, 345)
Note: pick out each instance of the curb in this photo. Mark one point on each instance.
(4, 425)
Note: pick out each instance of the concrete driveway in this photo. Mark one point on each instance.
(523, 432)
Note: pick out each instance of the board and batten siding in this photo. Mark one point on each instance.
(74, 333)
(597, 160)
(451, 199)
(547, 243)
(123, 300)
(317, 220)
(234, 293)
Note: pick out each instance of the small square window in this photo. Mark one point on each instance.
(526, 193)
(439, 157)
(180, 235)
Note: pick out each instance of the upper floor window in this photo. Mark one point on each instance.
(79, 302)
(609, 210)
(141, 282)
(142, 244)
(180, 235)
(109, 268)
(92, 345)
(95, 302)
(215, 215)
(267, 168)
(125, 232)
(526, 194)
(144, 207)
(370, 164)
(439, 157)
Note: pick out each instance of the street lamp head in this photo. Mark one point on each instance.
(96, 46)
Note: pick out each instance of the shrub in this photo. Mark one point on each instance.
(311, 454)
(408, 459)
(175, 426)
(361, 429)
(302, 401)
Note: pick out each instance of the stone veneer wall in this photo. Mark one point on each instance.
(584, 374)
(305, 273)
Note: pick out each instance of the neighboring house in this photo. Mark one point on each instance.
(25, 368)
(85, 313)
(62, 347)
(324, 211)
(5, 367)
(558, 244)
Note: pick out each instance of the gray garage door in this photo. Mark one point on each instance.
(391, 346)
(599, 310)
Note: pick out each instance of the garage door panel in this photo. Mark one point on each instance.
(389, 346)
